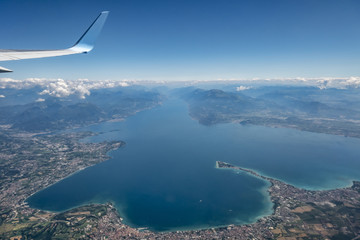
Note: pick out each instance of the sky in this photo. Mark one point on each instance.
(186, 40)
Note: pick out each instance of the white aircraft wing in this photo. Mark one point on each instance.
(83, 45)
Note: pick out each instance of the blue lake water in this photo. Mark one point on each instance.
(165, 177)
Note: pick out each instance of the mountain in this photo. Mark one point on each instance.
(55, 113)
(304, 108)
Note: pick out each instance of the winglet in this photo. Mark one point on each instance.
(3, 70)
(86, 42)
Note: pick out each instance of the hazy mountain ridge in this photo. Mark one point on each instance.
(304, 108)
(55, 113)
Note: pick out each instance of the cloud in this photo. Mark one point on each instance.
(320, 82)
(242, 88)
(339, 83)
(40, 100)
(83, 87)
(61, 87)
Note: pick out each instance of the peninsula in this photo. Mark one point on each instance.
(298, 214)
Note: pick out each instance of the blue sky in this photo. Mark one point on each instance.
(187, 40)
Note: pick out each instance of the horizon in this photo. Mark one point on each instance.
(185, 40)
(82, 88)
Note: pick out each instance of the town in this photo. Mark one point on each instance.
(298, 213)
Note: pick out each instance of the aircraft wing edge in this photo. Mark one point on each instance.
(83, 45)
(3, 70)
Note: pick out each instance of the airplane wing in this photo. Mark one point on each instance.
(83, 45)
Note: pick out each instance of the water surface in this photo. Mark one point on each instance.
(165, 176)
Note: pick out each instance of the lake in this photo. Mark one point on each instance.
(165, 177)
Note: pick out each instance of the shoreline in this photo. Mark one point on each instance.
(259, 175)
(248, 171)
(264, 191)
(286, 200)
(70, 175)
(263, 176)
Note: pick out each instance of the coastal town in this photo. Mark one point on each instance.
(298, 213)
(180, 120)
(31, 161)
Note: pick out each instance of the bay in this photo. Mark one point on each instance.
(165, 177)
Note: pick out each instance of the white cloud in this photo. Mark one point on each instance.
(2, 96)
(61, 87)
(320, 82)
(83, 87)
(242, 88)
